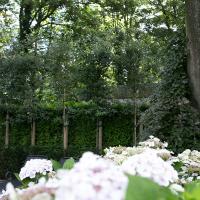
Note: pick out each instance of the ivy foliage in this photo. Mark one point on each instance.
(172, 116)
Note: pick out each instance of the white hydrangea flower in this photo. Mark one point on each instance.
(191, 165)
(119, 154)
(149, 165)
(94, 178)
(34, 166)
(176, 188)
(154, 142)
(11, 191)
(42, 196)
(98, 178)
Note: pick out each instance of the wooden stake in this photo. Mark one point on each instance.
(33, 130)
(65, 130)
(141, 130)
(100, 136)
(7, 130)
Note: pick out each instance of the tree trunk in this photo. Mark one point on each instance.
(25, 23)
(33, 128)
(193, 35)
(7, 130)
(141, 128)
(65, 125)
(65, 130)
(97, 135)
(100, 137)
(135, 125)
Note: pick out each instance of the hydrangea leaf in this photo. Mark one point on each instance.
(192, 191)
(56, 165)
(140, 188)
(69, 164)
(17, 177)
(178, 166)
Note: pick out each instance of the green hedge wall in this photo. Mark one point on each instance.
(82, 133)
(117, 130)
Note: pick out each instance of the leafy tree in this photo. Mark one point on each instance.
(171, 115)
(93, 70)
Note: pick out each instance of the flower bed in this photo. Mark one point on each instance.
(146, 172)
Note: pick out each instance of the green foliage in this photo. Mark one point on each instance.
(171, 115)
(99, 51)
(140, 188)
(69, 164)
(12, 159)
(192, 191)
(119, 134)
(82, 133)
(24, 183)
(56, 165)
(117, 129)
(178, 166)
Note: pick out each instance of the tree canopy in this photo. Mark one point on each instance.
(57, 51)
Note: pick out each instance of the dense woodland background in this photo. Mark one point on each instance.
(65, 65)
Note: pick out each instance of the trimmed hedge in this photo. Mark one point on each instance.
(117, 130)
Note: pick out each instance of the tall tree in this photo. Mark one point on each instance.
(32, 14)
(193, 34)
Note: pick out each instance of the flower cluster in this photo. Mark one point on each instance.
(154, 143)
(91, 178)
(103, 178)
(35, 166)
(190, 165)
(119, 154)
(149, 165)
(95, 177)
(188, 160)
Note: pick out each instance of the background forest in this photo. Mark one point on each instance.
(69, 63)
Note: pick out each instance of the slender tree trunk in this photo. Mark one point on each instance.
(97, 135)
(33, 132)
(7, 129)
(65, 125)
(100, 136)
(135, 124)
(140, 131)
(25, 23)
(65, 130)
(193, 35)
(135, 114)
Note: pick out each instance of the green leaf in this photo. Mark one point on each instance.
(56, 165)
(24, 183)
(17, 177)
(69, 164)
(140, 188)
(177, 166)
(192, 191)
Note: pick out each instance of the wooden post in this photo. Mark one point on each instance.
(97, 135)
(141, 130)
(100, 136)
(33, 130)
(65, 130)
(7, 129)
(135, 124)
